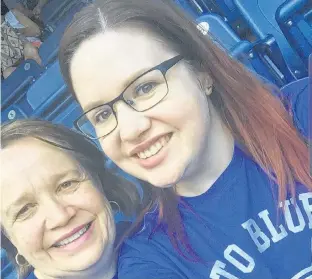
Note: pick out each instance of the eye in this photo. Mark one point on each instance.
(68, 185)
(145, 88)
(101, 116)
(25, 211)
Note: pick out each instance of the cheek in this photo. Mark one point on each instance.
(27, 237)
(200, 125)
(188, 113)
(192, 122)
(111, 146)
(90, 199)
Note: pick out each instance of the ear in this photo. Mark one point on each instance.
(206, 83)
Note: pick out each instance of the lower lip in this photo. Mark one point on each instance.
(76, 244)
(156, 159)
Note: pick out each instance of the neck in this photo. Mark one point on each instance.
(214, 158)
(102, 269)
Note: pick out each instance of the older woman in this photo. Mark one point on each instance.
(56, 202)
(230, 170)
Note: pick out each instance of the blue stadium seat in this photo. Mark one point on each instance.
(49, 49)
(40, 96)
(50, 81)
(66, 113)
(293, 19)
(225, 8)
(49, 98)
(260, 17)
(19, 81)
(54, 9)
(220, 31)
(15, 112)
(190, 6)
(262, 56)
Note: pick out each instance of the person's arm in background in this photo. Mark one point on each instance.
(20, 7)
(15, 4)
(31, 29)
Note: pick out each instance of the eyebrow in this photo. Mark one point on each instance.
(125, 84)
(27, 196)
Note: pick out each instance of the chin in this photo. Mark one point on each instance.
(161, 184)
(165, 181)
(87, 261)
(96, 254)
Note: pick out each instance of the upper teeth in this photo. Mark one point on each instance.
(153, 149)
(72, 237)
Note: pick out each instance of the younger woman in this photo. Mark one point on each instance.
(232, 185)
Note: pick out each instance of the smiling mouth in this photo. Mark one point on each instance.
(73, 237)
(154, 148)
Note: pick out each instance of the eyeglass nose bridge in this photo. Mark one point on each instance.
(130, 122)
(121, 99)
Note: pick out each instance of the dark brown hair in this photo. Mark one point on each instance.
(256, 118)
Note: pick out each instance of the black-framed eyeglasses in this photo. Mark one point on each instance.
(145, 92)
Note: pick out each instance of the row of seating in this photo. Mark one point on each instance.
(31, 79)
(46, 98)
(289, 22)
(263, 56)
(40, 91)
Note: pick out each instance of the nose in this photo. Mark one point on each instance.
(57, 214)
(132, 124)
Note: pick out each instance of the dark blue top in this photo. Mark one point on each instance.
(237, 231)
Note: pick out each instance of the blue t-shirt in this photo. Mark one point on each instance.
(237, 231)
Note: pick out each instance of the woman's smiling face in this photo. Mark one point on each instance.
(53, 211)
(161, 144)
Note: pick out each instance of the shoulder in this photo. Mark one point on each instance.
(143, 258)
(147, 254)
(297, 97)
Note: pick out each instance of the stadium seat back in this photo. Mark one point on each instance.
(220, 31)
(49, 82)
(256, 56)
(48, 51)
(55, 9)
(294, 20)
(260, 17)
(18, 82)
(188, 7)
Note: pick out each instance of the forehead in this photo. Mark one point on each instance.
(103, 65)
(30, 159)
